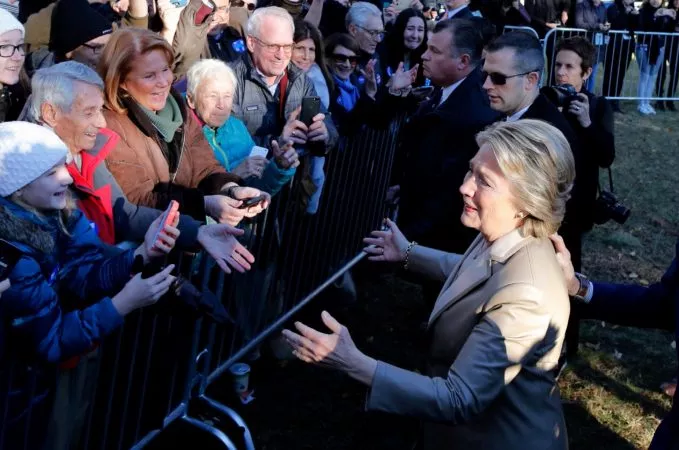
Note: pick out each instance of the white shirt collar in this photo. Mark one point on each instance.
(446, 91)
(451, 12)
(517, 115)
(274, 86)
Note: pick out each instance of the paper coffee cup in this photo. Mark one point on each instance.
(240, 373)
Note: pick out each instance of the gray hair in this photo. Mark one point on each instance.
(56, 85)
(255, 21)
(536, 159)
(208, 69)
(360, 12)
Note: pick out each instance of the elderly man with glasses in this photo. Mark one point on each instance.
(270, 88)
(364, 23)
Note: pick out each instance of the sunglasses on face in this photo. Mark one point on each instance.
(351, 60)
(500, 79)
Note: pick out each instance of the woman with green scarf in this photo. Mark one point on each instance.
(162, 154)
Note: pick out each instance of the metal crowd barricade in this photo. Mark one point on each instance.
(655, 74)
(509, 28)
(160, 367)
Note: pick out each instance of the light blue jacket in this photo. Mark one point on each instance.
(232, 144)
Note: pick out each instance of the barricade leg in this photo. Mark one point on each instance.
(234, 416)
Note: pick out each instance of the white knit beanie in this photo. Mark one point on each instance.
(27, 151)
(8, 22)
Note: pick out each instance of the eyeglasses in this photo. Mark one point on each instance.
(375, 34)
(7, 50)
(274, 48)
(96, 49)
(352, 60)
(500, 79)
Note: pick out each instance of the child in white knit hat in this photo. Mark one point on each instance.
(60, 253)
(12, 55)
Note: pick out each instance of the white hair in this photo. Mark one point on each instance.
(360, 12)
(255, 21)
(56, 85)
(208, 69)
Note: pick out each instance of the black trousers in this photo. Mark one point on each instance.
(573, 240)
(618, 56)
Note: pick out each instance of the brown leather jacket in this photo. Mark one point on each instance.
(152, 172)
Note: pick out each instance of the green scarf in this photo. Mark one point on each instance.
(167, 120)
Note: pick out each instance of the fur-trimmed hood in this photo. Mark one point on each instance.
(23, 227)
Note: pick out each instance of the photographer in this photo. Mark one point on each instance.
(591, 117)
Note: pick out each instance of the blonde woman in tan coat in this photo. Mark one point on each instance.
(498, 324)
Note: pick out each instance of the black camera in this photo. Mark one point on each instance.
(608, 207)
(561, 95)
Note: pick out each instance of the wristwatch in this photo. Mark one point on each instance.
(584, 288)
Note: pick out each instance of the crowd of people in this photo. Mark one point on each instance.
(134, 130)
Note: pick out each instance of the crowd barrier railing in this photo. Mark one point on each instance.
(161, 365)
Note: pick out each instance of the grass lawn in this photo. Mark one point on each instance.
(611, 394)
(612, 397)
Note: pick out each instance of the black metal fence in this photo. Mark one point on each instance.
(163, 360)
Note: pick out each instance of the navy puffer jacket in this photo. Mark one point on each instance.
(59, 306)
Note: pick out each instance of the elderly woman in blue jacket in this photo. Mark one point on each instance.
(68, 289)
(210, 88)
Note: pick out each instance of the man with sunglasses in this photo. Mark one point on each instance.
(438, 142)
(204, 32)
(512, 69)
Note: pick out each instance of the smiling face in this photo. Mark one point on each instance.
(304, 54)
(78, 128)
(271, 50)
(489, 204)
(47, 193)
(10, 67)
(414, 33)
(213, 102)
(149, 80)
(342, 62)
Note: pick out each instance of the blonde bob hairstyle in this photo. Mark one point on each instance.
(124, 47)
(536, 159)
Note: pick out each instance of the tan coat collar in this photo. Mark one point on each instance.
(464, 280)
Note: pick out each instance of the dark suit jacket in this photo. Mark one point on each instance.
(464, 13)
(655, 306)
(436, 146)
(543, 109)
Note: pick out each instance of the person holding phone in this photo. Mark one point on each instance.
(67, 289)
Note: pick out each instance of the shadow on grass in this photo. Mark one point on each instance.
(619, 390)
(586, 432)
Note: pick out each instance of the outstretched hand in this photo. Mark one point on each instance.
(334, 351)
